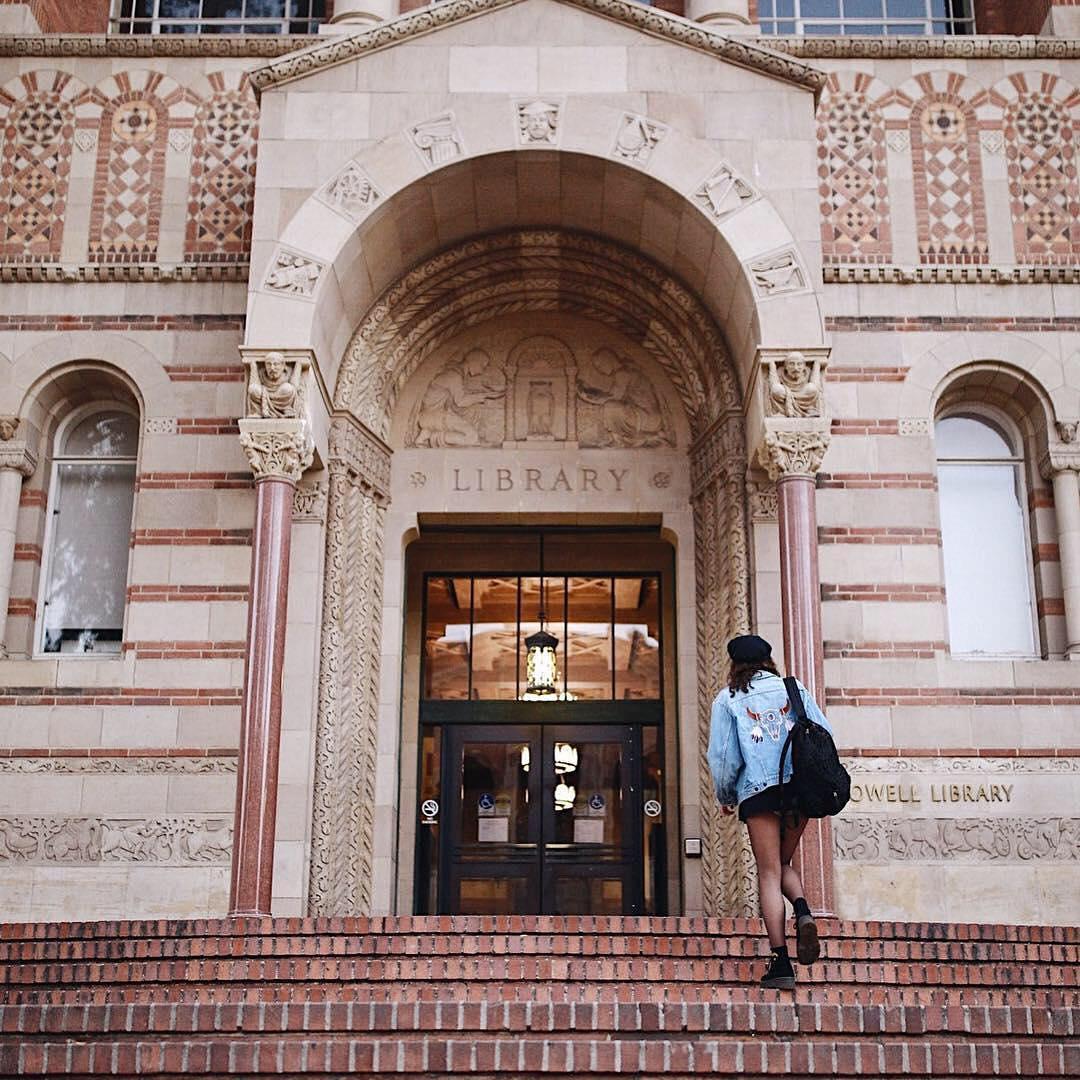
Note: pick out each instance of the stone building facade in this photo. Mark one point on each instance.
(756, 332)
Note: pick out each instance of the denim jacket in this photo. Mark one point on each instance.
(747, 733)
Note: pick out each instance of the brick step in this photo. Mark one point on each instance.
(809, 991)
(277, 946)
(779, 1014)
(553, 926)
(527, 969)
(521, 1058)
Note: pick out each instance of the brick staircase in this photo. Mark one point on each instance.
(521, 997)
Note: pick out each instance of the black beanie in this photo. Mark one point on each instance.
(749, 649)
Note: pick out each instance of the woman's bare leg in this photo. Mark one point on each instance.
(790, 882)
(764, 832)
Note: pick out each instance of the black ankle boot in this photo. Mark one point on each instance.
(779, 975)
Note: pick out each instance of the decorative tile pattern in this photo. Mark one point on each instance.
(222, 193)
(1038, 114)
(133, 113)
(38, 132)
(950, 207)
(853, 183)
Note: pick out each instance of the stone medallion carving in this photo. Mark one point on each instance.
(293, 274)
(637, 138)
(537, 122)
(777, 275)
(723, 193)
(352, 192)
(540, 393)
(437, 140)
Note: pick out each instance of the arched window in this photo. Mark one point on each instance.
(988, 584)
(89, 524)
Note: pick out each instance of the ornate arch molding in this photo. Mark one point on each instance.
(535, 270)
(476, 281)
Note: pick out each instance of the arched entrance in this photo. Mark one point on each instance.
(536, 378)
(428, 258)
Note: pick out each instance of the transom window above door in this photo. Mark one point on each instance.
(607, 629)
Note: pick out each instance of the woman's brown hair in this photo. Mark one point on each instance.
(740, 674)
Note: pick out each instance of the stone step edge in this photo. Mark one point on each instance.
(251, 1057)
(543, 925)
(783, 1017)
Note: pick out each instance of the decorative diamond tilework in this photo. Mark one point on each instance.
(134, 113)
(38, 131)
(222, 189)
(1039, 115)
(949, 203)
(853, 183)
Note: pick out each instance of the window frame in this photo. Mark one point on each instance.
(1012, 434)
(63, 429)
(958, 24)
(129, 25)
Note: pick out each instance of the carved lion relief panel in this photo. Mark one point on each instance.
(509, 386)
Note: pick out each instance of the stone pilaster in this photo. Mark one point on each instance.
(346, 740)
(718, 478)
(1061, 466)
(18, 459)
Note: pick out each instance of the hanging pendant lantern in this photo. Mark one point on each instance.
(541, 665)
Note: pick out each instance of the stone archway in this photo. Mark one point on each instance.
(475, 282)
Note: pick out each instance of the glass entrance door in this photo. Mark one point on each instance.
(542, 819)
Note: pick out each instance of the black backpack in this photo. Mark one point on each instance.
(820, 785)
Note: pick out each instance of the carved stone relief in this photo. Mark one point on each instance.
(121, 766)
(878, 839)
(293, 274)
(309, 502)
(275, 386)
(793, 385)
(637, 138)
(537, 122)
(913, 426)
(793, 452)
(352, 192)
(763, 503)
(174, 841)
(437, 140)
(777, 275)
(723, 193)
(1056, 765)
(539, 393)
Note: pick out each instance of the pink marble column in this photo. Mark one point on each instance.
(803, 655)
(260, 718)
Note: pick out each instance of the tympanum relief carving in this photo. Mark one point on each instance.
(541, 391)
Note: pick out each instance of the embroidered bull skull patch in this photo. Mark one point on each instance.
(775, 721)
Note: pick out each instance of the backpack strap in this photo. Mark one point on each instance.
(796, 703)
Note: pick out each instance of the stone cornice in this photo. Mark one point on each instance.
(889, 274)
(755, 54)
(924, 48)
(119, 46)
(72, 274)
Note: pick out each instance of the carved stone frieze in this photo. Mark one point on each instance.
(963, 274)
(293, 274)
(792, 451)
(998, 839)
(723, 193)
(778, 274)
(76, 274)
(437, 140)
(793, 382)
(717, 451)
(537, 122)
(364, 457)
(963, 765)
(352, 192)
(637, 138)
(741, 51)
(176, 841)
(139, 766)
(309, 502)
(763, 503)
(277, 449)
(526, 271)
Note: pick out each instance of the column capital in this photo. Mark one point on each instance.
(362, 455)
(793, 448)
(277, 449)
(17, 454)
(1060, 457)
(277, 385)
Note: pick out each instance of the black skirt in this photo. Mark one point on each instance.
(769, 801)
